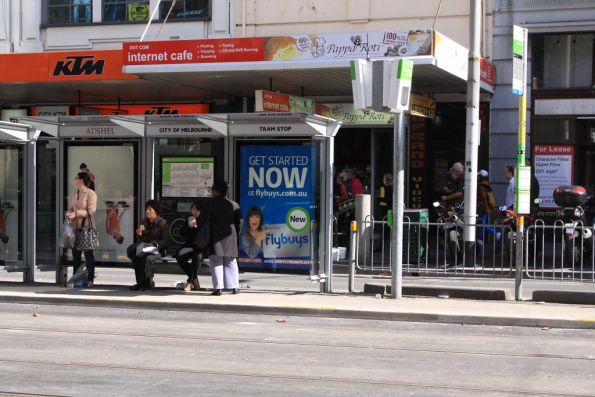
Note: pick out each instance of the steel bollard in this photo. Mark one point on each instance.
(352, 255)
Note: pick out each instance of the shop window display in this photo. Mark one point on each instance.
(125, 11)
(70, 11)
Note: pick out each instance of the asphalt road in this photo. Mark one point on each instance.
(75, 351)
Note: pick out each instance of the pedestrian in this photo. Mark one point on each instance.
(452, 191)
(510, 198)
(385, 194)
(187, 255)
(83, 205)
(153, 236)
(225, 222)
(356, 184)
(486, 202)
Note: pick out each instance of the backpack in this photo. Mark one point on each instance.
(491, 200)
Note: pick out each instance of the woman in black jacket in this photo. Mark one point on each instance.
(187, 256)
(153, 236)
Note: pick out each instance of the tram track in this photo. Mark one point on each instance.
(344, 382)
(204, 338)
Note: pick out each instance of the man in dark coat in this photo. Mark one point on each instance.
(225, 218)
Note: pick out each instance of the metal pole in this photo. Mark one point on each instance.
(30, 212)
(398, 207)
(352, 256)
(472, 129)
(150, 20)
(518, 278)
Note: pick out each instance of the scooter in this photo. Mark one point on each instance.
(113, 216)
(508, 217)
(452, 219)
(578, 235)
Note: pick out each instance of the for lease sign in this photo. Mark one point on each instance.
(553, 168)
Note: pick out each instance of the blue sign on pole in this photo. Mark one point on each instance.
(277, 197)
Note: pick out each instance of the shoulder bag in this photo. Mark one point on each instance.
(87, 237)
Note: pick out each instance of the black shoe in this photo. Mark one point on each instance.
(136, 287)
(235, 291)
(216, 292)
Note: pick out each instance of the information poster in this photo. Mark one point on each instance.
(10, 224)
(553, 168)
(277, 201)
(187, 176)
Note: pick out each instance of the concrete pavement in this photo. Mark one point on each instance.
(288, 303)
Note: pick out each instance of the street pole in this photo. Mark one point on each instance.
(520, 88)
(398, 207)
(472, 130)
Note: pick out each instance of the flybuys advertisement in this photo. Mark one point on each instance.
(277, 201)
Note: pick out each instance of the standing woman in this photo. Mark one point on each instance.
(153, 233)
(225, 218)
(83, 205)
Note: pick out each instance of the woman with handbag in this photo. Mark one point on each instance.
(197, 240)
(153, 233)
(83, 205)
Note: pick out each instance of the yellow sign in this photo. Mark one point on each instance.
(422, 106)
(138, 12)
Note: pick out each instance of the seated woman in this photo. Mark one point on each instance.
(193, 246)
(153, 235)
(253, 236)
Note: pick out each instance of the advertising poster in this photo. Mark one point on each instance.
(112, 169)
(277, 201)
(190, 176)
(553, 167)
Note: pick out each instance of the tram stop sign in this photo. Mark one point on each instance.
(383, 85)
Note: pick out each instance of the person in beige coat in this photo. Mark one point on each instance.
(83, 205)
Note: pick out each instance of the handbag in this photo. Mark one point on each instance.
(87, 237)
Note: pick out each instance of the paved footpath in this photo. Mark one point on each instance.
(288, 303)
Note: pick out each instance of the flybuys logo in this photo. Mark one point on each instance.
(283, 240)
(79, 65)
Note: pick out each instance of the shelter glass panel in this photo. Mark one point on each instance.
(113, 171)
(11, 211)
(185, 169)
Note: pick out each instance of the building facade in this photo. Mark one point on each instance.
(560, 93)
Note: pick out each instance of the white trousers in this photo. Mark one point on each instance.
(224, 272)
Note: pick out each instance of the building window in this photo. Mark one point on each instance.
(125, 10)
(563, 61)
(184, 9)
(70, 11)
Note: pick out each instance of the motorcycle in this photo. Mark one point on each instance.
(451, 218)
(508, 217)
(578, 235)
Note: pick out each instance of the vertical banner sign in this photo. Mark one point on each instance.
(518, 60)
(417, 161)
(278, 203)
